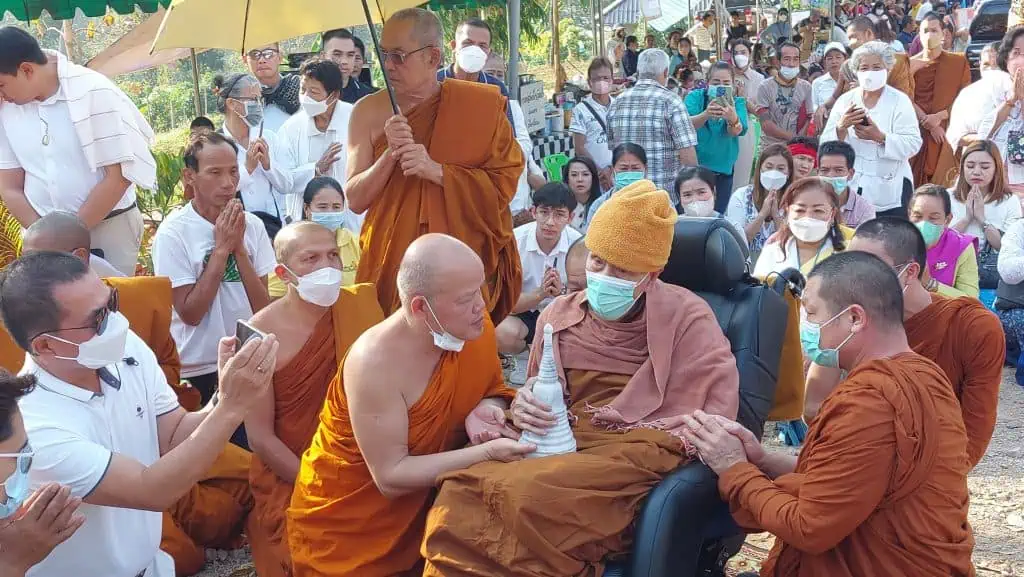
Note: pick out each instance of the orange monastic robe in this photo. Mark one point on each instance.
(464, 128)
(339, 524)
(299, 392)
(936, 86)
(967, 342)
(880, 487)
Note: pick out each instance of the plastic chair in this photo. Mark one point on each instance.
(553, 164)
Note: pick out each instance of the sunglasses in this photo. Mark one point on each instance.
(99, 322)
(265, 54)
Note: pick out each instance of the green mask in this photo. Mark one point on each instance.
(930, 231)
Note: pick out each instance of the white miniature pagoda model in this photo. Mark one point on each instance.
(548, 389)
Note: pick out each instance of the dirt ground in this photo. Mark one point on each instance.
(997, 500)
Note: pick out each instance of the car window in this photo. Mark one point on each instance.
(990, 22)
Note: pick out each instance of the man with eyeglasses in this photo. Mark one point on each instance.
(470, 49)
(71, 140)
(448, 163)
(104, 421)
(280, 93)
(32, 523)
(339, 46)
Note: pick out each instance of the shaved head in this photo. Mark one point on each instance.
(858, 278)
(576, 265)
(899, 239)
(432, 262)
(300, 234)
(58, 231)
(425, 25)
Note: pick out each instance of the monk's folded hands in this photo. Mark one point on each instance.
(718, 448)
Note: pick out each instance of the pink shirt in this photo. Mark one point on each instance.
(857, 211)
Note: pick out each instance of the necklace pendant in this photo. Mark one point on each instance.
(46, 140)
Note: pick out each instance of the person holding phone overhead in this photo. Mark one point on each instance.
(720, 118)
(878, 121)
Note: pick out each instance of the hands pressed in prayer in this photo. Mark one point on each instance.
(46, 519)
(257, 155)
(552, 283)
(487, 422)
(264, 153)
(1018, 87)
(330, 156)
(528, 413)
(717, 447)
(225, 229)
(245, 373)
(770, 206)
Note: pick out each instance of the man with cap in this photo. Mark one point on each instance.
(636, 355)
(825, 85)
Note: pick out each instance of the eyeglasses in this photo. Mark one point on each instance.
(265, 54)
(24, 457)
(398, 56)
(545, 214)
(99, 323)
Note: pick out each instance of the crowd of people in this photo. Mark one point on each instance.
(334, 360)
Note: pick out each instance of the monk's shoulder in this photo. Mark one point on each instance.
(462, 95)
(270, 317)
(371, 110)
(689, 302)
(368, 356)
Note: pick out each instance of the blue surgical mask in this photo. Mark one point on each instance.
(930, 231)
(610, 298)
(839, 183)
(16, 486)
(810, 341)
(624, 179)
(330, 220)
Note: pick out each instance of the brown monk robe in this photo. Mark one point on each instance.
(939, 76)
(397, 415)
(451, 165)
(628, 382)
(880, 487)
(313, 336)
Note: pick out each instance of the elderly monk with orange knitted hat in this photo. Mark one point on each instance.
(412, 391)
(880, 487)
(448, 163)
(635, 355)
(959, 334)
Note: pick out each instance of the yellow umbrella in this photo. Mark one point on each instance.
(244, 24)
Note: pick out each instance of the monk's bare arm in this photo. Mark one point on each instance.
(380, 421)
(820, 382)
(365, 178)
(259, 427)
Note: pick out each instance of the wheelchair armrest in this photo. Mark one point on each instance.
(668, 531)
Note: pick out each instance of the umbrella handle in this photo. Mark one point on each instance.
(380, 57)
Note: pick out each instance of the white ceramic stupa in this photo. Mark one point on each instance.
(548, 389)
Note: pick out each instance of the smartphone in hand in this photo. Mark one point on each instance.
(244, 332)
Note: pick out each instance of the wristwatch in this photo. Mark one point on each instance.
(932, 286)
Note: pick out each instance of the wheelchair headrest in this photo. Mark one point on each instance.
(707, 256)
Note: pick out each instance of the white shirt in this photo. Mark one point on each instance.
(181, 247)
(975, 101)
(521, 201)
(1014, 123)
(274, 118)
(585, 123)
(74, 434)
(1010, 263)
(880, 170)
(1000, 214)
(101, 267)
(57, 174)
(822, 89)
(535, 262)
(264, 190)
(771, 259)
(751, 81)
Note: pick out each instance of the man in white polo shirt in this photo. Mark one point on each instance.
(589, 125)
(71, 140)
(103, 419)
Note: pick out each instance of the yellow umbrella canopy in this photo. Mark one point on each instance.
(245, 24)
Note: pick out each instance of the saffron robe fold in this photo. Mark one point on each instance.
(464, 128)
(339, 523)
(936, 86)
(880, 487)
(967, 342)
(565, 515)
(300, 388)
(211, 515)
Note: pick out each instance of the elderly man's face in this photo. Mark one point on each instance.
(411, 61)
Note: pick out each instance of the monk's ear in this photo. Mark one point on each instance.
(858, 319)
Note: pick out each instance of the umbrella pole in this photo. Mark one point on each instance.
(514, 24)
(380, 56)
(195, 83)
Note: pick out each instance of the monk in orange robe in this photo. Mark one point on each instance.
(212, 514)
(411, 392)
(880, 487)
(449, 163)
(939, 76)
(959, 335)
(631, 371)
(315, 326)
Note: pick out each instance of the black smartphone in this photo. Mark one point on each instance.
(244, 332)
(864, 121)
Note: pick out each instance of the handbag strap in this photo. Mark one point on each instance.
(596, 116)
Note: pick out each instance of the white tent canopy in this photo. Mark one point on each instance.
(622, 12)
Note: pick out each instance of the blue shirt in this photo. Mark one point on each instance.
(717, 150)
(486, 79)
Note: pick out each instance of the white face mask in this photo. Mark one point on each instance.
(700, 208)
(320, 287)
(789, 72)
(102, 349)
(741, 60)
(871, 80)
(808, 229)
(313, 107)
(773, 180)
(471, 59)
(443, 340)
